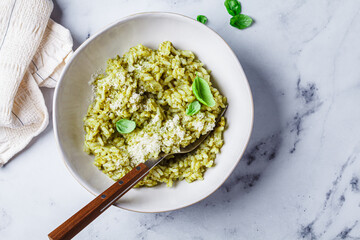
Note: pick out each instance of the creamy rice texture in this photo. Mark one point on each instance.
(152, 88)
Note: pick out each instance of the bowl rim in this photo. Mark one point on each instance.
(91, 38)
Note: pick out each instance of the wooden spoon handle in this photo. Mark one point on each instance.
(92, 210)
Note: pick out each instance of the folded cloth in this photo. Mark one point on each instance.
(33, 52)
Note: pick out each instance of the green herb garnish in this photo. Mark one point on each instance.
(201, 18)
(241, 21)
(125, 126)
(202, 92)
(238, 20)
(233, 7)
(193, 108)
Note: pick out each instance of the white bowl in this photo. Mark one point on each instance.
(73, 95)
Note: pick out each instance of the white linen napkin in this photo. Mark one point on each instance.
(33, 52)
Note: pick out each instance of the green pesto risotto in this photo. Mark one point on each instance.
(152, 90)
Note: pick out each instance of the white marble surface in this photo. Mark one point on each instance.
(299, 176)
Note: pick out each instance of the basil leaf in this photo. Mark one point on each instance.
(241, 21)
(202, 92)
(125, 126)
(233, 7)
(193, 108)
(201, 18)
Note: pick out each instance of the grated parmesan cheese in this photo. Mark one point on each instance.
(200, 115)
(138, 67)
(210, 127)
(111, 81)
(121, 76)
(93, 78)
(95, 75)
(198, 125)
(135, 98)
(143, 147)
(116, 103)
(131, 68)
(187, 118)
(155, 119)
(172, 127)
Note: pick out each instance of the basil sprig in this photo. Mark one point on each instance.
(202, 92)
(201, 18)
(193, 108)
(125, 126)
(241, 21)
(233, 7)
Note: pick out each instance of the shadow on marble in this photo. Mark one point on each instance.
(57, 16)
(57, 13)
(264, 143)
(262, 151)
